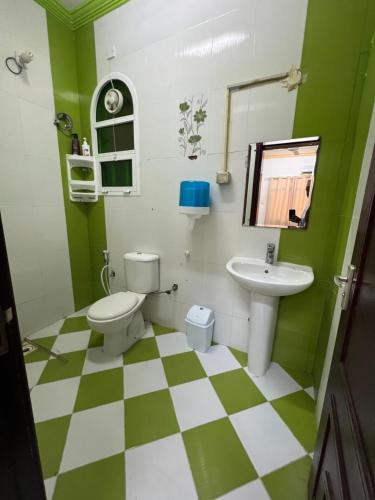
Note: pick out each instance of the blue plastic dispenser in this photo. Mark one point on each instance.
(194, 200)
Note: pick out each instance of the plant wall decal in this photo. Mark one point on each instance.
(193, 114)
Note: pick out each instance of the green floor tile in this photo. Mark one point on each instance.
(298, 412)
(51, 441)
(39, 354)
(236, 391)
(57, 370)
(96, 339)
(182, 368)
(149, 417)
(102, 480)
(218, 460)
(100, 388)
(75, 325)
(304, 379)
(143, 350)
(289, 482)
(161, 330)
(239, 355)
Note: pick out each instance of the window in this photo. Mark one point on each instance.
(114, 126)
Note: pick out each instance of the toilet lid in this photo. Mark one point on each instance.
(113, 306)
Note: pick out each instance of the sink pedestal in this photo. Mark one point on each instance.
(263, 315)
(267, 283)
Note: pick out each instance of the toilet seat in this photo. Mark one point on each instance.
(113, 306)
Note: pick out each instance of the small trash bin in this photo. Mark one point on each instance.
(199, 327)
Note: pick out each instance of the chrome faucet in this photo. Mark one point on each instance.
(270, 255)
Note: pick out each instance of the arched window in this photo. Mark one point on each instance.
(114, 127)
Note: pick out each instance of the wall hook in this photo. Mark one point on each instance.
(16, 64)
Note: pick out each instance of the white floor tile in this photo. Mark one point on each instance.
(54, 399)
(159, 470)
(196, 403)
(147, 376)
(275, 383)
(250, 491)
(149, 331)
(96, 361)
(218, 359)
(172, 343)
(76, 341)
(34, 371)
(48, 331)
(94, 434)
(266, 438)
(49, 485)
(310, 391)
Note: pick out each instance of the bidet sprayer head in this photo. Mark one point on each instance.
(106, 257)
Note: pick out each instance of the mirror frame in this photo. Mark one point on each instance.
(254, 192)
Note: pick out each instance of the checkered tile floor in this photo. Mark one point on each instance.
(164, 422)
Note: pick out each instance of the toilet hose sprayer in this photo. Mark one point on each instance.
(104, 275)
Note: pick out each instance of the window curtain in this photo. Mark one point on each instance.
(284, 194)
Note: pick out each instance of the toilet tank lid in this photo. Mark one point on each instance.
(141, 257)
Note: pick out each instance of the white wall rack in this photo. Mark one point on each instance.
(83, 188)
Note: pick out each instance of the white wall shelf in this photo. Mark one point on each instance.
(82, 190)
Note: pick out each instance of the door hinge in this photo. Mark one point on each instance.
(6, 317)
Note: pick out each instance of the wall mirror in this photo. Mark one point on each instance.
(279, 183)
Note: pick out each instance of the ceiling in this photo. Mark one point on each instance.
(71, 4)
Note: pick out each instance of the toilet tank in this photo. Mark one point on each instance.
(141, 272)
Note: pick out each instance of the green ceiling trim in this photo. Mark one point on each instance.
(89, 11)
(57, 10)
(93, 9)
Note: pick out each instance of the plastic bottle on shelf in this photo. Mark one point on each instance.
(85, 148)
(76, 148)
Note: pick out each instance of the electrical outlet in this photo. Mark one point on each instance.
(223, 177)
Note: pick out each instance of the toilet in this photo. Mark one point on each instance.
(119, 316)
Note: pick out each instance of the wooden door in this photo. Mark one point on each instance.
(20, 470)
(344, 460)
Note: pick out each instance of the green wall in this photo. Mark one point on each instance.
(360, 139)
(335, 57)
(87, 81)
(73, 69)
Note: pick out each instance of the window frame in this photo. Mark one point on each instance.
(253, 176)
(133, 154)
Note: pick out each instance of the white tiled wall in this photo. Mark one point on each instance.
(172, 50)
(31, 200)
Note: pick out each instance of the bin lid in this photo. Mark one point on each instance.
(200, 315)
(141, 256)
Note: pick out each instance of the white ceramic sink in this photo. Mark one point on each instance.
(276, 280)
(266, 282)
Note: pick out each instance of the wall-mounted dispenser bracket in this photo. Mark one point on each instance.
(193, 214)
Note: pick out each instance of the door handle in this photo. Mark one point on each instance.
(345, 284)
